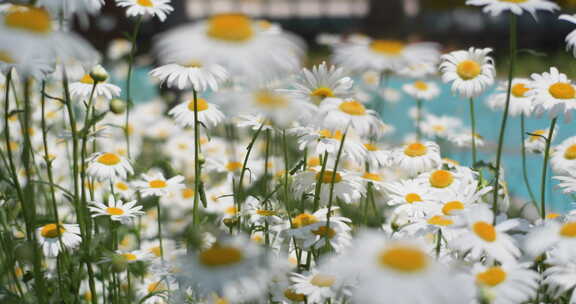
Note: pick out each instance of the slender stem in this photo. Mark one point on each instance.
(524, 169)
(159, 217)
(513, 42)
(438, 243)
(129, 83)
(545, 169)
(265, 194)
(473, 131)
(418, 119)
(318, 188)
(286, 173)
(332, 182)
(196, 160)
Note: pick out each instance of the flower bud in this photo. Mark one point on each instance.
(117, 106)
(119, 263)
(99, 74)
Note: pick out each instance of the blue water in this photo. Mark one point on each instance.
(488, 125)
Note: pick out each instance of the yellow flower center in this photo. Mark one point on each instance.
(449, 207)
(52, 231)
(441, 179)
(5, 57)
(156, 251)
(404, 259)
(387, 47)
(31, 19)
(109, 159)
(552, 215)
(412, 198)
(303, 220)
(491, 277)
(114, 211)
(263, 212)
(353, 108)
(187, 193)
(570, 153)
(156, 287)
(218, 256)
(231, 210)
(562, 90)
(323, 280)
(568, 230)
(373, 176)
(157, 183)
(270, 100)
(519, 90)
(194, 64)
(200, 103)
(328, 176)
(333, 135)
(314, 161)
(415, 150)
(324, 231)
(439, 220)
(421, 85)
(536, 137)
(322, 93)
(468, 69)
(485, 231)
(129, 257)
(371, 147)
(513, 1)
(87, 79)
(230, 28)
(233, 166)
(293, 296)
(145, 3)
(122, 186)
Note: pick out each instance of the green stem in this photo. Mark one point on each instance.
(129, 83)
(159, 217)
(473, 131)
(513, 42)
(332, 182)
(318, 188)
(265, 194)
(524, 169)
(196, 160)
(545, 169)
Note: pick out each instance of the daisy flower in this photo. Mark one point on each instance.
(563, 158)
(483, 238)
(376, 156)
(571, 38)
(106, 166)
(194, 76)
(208, 113)
(567, 183)
(553, 93)
(156, 184)
(340, 113)
(446, 181)
(463, 138)
(419, 70)
(536, 143)
(70, 7)
(277, 106)
(25, 59)
(560, 276)
(410, 197)
(129, 257)
(117, 210)
(422, 90)
(506, 284)
(233, 268)
(321, 82)
(441, 126)
(320, 141)
(259, 215)
(316, 286)
(346, 188)
(471, 72)
(313, 230)
(520, 101)
(389, 271)
(123, 189)
(517, 7)
(83, 88)
(552, 235)
(158, 8)
(50, 235)
(418, 157)
(384, 55)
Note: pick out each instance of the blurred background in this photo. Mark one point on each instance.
(448, 22)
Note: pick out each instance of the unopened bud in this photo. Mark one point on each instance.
(99, 74)
(230, 222)
(119, 263)
(117, 106)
